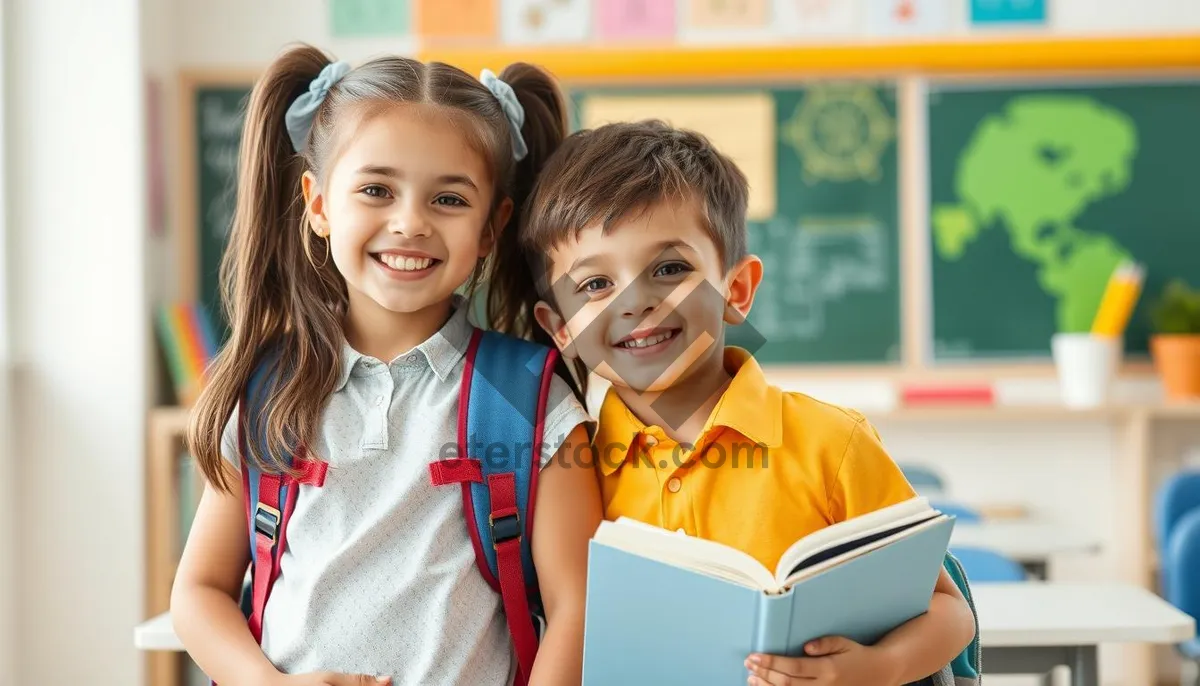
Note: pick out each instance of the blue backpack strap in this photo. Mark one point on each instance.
(269, 498)
(502, 407)
(251, 429)
(506, 407)
(967, 667)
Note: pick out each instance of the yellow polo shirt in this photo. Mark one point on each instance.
(769, 467)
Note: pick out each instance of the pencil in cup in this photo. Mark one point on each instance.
(1120, 296)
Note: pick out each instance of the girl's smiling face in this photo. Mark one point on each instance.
(407, 208)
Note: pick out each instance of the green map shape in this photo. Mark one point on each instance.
(1033, 169)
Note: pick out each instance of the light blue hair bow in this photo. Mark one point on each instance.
(300, 115)
(512, 110)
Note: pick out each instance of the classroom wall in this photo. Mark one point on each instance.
(1123, 17)
(79, 336)
(231, 32)
(8, 508)
(215, 33)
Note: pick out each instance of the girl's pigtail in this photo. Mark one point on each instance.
(517, 279)
(268, 288)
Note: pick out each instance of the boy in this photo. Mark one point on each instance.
(643, 232)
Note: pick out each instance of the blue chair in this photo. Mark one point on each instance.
(1179, 495)
(985, 566)
(965, 514)
(1181, 564)
(923, 479)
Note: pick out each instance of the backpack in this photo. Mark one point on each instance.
(502, 402)
(967, 668)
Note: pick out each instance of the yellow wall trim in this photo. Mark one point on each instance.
(679, 63)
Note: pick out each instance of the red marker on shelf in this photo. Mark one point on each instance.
(948, 395)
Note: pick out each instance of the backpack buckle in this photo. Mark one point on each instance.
(504, 528)
(266, 521)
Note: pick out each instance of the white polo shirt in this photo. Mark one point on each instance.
(379, 573)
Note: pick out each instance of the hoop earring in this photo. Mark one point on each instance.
(324, 262)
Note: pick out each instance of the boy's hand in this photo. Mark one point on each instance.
(830, 661)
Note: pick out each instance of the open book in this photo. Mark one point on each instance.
(655, 593)
(809, 556)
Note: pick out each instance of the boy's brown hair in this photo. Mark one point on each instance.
(606, 173)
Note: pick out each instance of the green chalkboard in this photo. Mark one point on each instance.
(218, 114)
(831, 286)
(1037, 192)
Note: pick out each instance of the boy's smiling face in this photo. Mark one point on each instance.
(644, 304)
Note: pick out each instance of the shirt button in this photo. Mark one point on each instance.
(412, 358)
(674, 484)
(651, 441)
(379, 400)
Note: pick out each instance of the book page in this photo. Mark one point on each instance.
(686, 552)
(825, 565)
(907, 512)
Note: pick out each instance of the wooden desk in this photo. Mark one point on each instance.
(157, 634)
(1031, 628)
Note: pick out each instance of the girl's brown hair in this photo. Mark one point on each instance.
(277, 292)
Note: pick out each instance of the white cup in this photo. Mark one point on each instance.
(1086, 367)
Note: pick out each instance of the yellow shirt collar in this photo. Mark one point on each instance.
(750, 406)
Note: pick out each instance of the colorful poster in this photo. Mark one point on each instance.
(525, 22)
(1008, 11)
(724, 14)
(818, 17)
(461, 20)
(618, 20)
(908, 17)
(369, 17)
(751, 144)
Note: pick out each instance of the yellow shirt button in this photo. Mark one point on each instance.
(674, 485)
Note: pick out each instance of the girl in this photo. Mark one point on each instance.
(367, 197)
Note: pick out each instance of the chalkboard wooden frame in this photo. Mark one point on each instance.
(187, 198)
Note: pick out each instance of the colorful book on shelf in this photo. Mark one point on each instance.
(654, 593)
(189, 343)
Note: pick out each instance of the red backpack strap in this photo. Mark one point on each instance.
(506, 534)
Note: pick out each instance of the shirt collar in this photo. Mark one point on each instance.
(441, 351)
(750, 406)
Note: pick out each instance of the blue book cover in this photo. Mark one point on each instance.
(667, 608)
